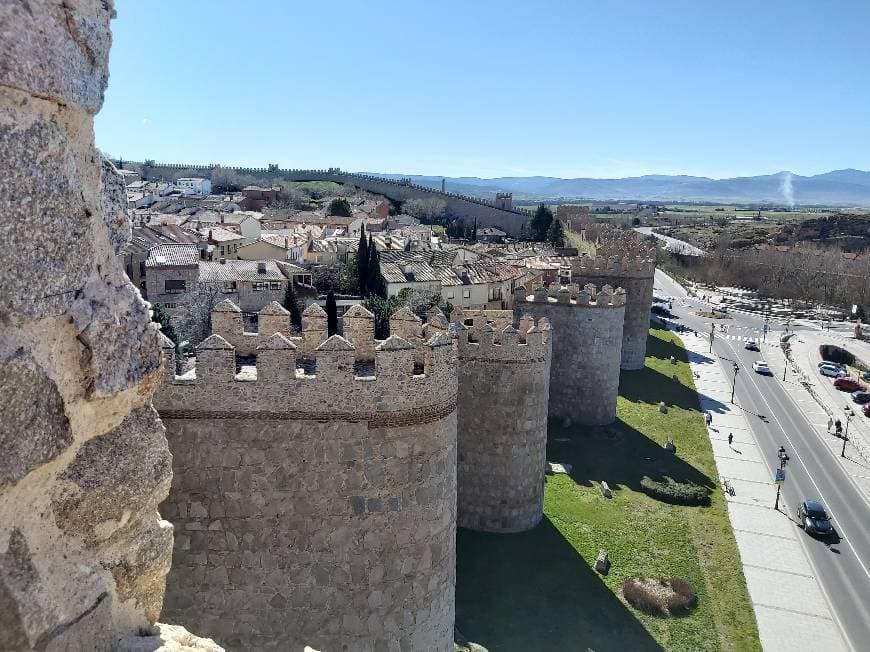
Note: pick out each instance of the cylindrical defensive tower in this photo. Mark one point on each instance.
(587, 341)
(314, 509)
(636, 276)
(502, 414)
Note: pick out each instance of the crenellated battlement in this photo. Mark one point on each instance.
(640, 266)
(329, 389)
(589, 296)
(509, 345)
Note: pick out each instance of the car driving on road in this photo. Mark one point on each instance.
(760, 367)
(861, 397)
(848, 385)
(813, 518)
(751, 345)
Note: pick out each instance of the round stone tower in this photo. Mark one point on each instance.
(504, 379)
(314, 508)
(587, 342)
(635, 275)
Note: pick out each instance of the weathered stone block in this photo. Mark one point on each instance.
(115, 478)
(33, 426)
(57, 50)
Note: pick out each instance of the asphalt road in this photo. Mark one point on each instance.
(843, 567)
(674, 245)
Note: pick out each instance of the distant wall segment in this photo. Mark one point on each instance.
(637, 277)
(587, 345)
(465, 207)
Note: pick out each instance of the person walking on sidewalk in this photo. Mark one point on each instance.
(730, 439)
(708, 418)
(830, 424)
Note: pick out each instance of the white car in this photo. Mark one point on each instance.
(751, 345)
(831, 371)
(760, 367)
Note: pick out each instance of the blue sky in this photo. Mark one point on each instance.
(568, 89)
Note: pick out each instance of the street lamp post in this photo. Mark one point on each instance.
(712, 329)
(780, 476)
(849, 414)
(734, 380)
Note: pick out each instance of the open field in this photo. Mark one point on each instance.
(538, 590)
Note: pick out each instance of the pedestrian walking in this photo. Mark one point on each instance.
(730, 438)
(708, 418)
(838, 427)
(830, 423)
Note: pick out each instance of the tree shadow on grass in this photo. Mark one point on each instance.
(650, 386)
(533, 591)
(618, 454)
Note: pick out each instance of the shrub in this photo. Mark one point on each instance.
(675, 493)
(662, 597)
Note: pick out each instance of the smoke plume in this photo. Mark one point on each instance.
(786, 189)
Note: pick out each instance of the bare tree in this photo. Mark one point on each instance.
(429, 209)
(194, 313)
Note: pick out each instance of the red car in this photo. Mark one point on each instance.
(848, 385)
(867, 410)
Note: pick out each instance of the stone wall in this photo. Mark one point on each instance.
(587, 345)
(636, 276)
(83, 457)
(315, 509)
(498, 214)
(502, 424)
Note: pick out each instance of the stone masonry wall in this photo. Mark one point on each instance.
(83, 457)
(316, 509)
(502, 425)
(587, 344)
(637, 277)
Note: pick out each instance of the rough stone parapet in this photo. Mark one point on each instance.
(84, 460)
(358, 326)
(587, 346)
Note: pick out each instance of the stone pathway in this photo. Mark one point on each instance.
(790, 608)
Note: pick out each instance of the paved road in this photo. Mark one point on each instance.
(843, 568)
(673, 245)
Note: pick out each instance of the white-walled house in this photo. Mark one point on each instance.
(200, 186)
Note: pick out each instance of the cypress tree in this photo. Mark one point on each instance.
(540, 223)
(375, 281)
(556, 234)
(362, 262)
(331, 314)
(160, 316)
(291, 303)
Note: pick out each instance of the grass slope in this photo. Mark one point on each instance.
(538, 590)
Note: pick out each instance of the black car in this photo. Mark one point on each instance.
(813, 518)
(861, 397)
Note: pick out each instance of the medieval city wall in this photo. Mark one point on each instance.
(466, 207)
(318, 508)
(84, 461)
(636, 276)
(587, 344)
(502, 424)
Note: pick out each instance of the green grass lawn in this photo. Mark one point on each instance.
(538, 590)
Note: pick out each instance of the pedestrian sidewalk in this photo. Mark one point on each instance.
(791, 609)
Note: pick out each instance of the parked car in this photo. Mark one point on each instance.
(865, 375)
(829, 363)
(813, 518)
(845, 384)
(751, 345)
(831, 372)
(867, 409)
(760, 367)
(861, 397)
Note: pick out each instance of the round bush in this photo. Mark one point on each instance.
(660, 597)
(675, 493)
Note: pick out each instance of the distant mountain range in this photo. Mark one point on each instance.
(838, 188)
